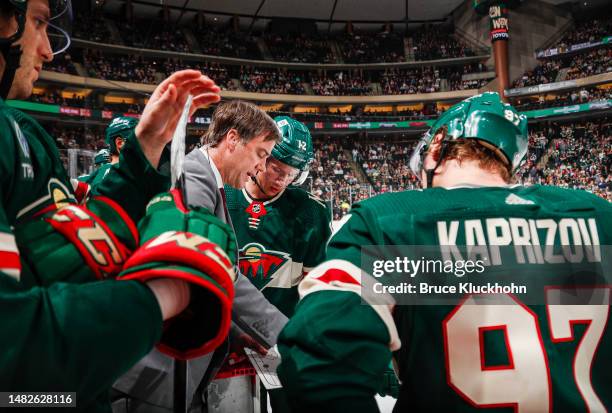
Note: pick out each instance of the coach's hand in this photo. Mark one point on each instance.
(163, 110)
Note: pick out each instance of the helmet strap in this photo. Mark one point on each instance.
(429, 173)
(254, 179)
(301, 178)
(12, 57)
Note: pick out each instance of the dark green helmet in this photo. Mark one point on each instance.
(119, 127)
(59, 22)
(102, 157)
(20, 8)
(10, 51)
(295, 148)
(484, 117)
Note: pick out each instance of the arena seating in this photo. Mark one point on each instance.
(431, 43)
(359, 47)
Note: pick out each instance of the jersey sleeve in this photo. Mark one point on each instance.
(87, 178)
(335, 349)
(133, 181)
(77, 338)
(69, 337)
(9, 254)
(317, 232)
(66, 337)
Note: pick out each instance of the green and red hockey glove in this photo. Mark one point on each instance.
(77, 243)
(193, 246)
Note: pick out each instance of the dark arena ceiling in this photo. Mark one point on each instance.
(323, 11)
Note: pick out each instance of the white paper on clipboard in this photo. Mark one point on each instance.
(266, 367)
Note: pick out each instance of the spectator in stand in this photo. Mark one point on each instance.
(68, 137)
(271, 81)
(299, 48)
(428, 79)
(574, 155)
(581, 158)
(577, 155)
(573, 97)
(215, 71)
(91, 26)
(340, 84)
(545, 72)
(153, 34)
(139, 69)
(142, 69)
(436, 42)
(587, 63)
(55, 97)
(332, 178)
(386, 166)
(411, 81)
(590, 30)
(384, 46)
(62, 64)
(456, 81)
(217, 41)
(119, 67)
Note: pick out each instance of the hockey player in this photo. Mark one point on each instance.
(101, 158)
(281, 230)
(116, 134)
(61, 331)
(464, 357)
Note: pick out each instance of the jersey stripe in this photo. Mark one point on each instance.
(341, 275)
(9, 260)
(7, 243)
(81, 189)
(9, 257)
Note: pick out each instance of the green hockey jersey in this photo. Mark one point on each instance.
(462, 357)
(65, 336)
(94, 178)
(280, 240)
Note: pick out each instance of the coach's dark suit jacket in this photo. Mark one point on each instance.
(149, 384)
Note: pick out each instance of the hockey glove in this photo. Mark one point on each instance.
(193, 246)
(77, 243)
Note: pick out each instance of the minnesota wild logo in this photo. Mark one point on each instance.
(57, 196)
(259, 264)
(59, 193)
